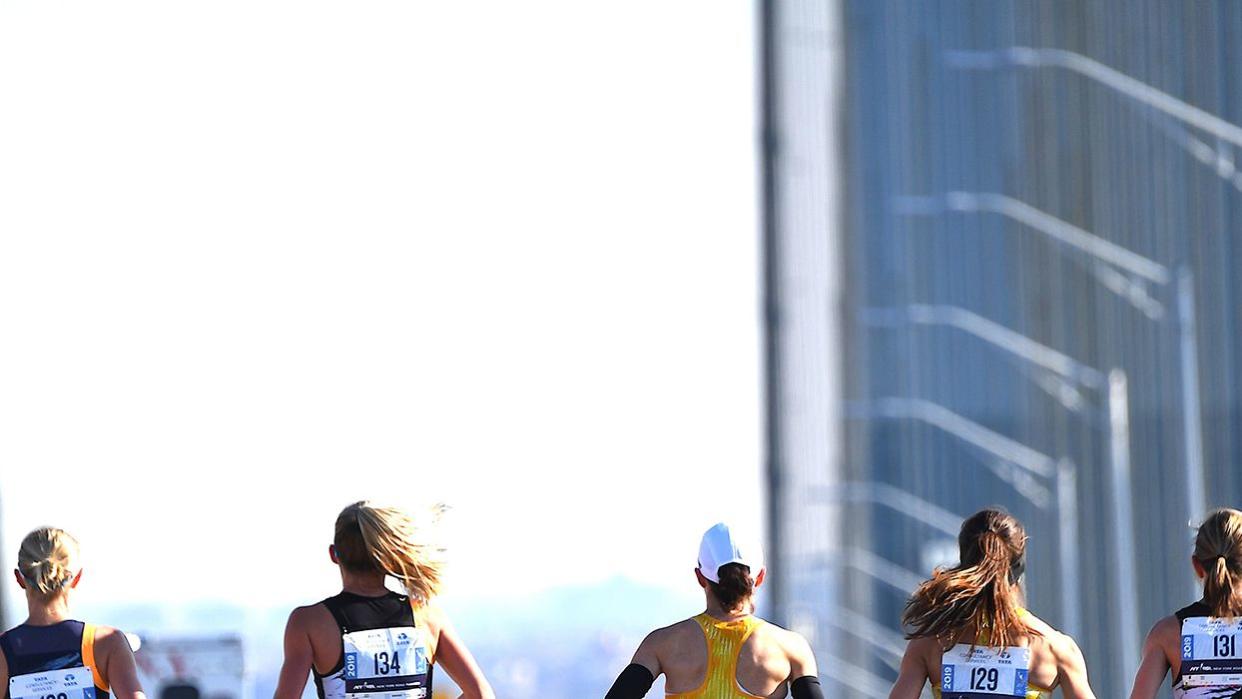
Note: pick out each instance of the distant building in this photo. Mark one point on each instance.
(1002, 268)
(192, 667)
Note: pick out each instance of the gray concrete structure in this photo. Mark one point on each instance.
(1002, 253)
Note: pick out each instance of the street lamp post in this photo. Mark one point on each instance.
(1112, 388)
(1127, 274)
(1127, 575)
(1032, 463)
(1192, 117)
(1192, 419)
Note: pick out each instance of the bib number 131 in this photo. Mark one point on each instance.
(1210, 652)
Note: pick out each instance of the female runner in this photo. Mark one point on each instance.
(969, 634)
(1199, 643)
(726, 652)
(368, 640)
(51, 654)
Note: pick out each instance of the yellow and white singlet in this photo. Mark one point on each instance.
(724, 643)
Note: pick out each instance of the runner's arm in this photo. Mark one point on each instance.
(1155, 665)
(636, 679)
(912, 675)
(452, 654)
(1071, 669)
(116, 664)
(633, 683)
(803, 673)
(299, 657)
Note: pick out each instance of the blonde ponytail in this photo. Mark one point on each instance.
(387, 540)
(46, 559)
(1218, 548)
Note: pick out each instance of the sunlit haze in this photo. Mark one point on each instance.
(261, 259)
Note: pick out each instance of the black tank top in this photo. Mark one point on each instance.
(32, 649)
(355, 613)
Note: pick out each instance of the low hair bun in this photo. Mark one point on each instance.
(736, 585)
(46, 559)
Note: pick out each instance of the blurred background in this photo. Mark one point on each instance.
(1001, 262)
(598, 276)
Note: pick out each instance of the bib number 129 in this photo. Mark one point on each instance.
(980, 672)
(984, 678)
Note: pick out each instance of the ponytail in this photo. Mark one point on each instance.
(981, 592)
(387, 540)
(735, 586)
(1218, 548)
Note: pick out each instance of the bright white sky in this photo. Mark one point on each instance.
(261, 258)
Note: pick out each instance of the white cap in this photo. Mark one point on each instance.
(721, 546)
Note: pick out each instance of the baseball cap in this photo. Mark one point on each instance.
(722, 545)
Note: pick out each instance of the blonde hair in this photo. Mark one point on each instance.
(374, 539)
(1218, 548)
(46, 560)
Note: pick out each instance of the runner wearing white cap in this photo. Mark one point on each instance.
(726, 652)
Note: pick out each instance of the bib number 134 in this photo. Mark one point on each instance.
(389, 663)
(384, 665)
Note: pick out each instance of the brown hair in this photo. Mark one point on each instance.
(386, 540)
(735, 586)
(982, 591)
(1218, 548)
(46, 560)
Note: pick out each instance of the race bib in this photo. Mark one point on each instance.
(1211, 656)
(386, 664)
(981, 672)
(72, 683)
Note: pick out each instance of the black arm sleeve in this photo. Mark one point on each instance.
(632, 683)
(806, 688)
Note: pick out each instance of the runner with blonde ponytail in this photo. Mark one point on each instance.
(969, 635)
(390, 538)
(52, 654)
(370, 642)
(1200, 642)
